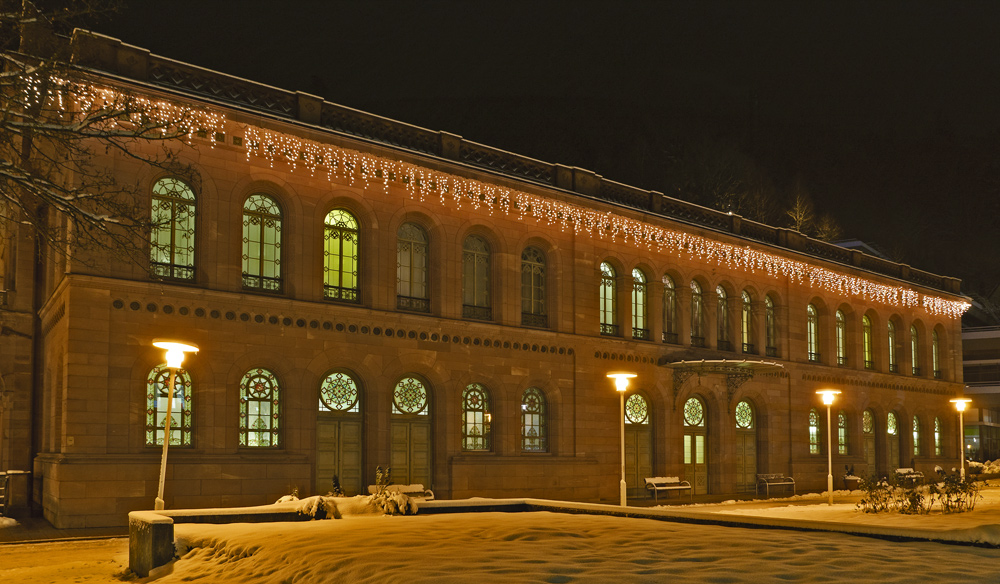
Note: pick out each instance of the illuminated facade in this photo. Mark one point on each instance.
(366, 293)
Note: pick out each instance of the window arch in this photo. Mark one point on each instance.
(866, 342)
(842, 432)
(669, 310)
(534, 436)
(260, 402)
(339, 393)
(262, 243)
(893, 362)
(812, 333)
(533, 288)
(640, 328)
(476, 280)
(813, 431)
(171, 239)
(409, 397)
(746, 324)
(157, 388)
(609, 301)
(694, 412)
(476, 418)
(341, 243)
(935, 355)
(868, 422)
(937, 436)
(916, 436)
(770, 327)
(412, 256)
(915, 349)
(636, 410)
(891, 424)
(722, 319)
(841, 330)
(697, 316)
(744, 416)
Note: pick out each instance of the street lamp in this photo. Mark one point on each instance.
(828, 395)
(175, 357)
(960, 404)
(621, 384)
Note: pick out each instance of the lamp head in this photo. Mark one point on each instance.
(828, 395)
(175, 351)
(961, 403)
(621, 379)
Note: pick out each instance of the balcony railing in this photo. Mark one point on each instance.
(893, 367)
(340, 294)
(413, 304)
(609, 330)
(697, 341)
(749, 349)
(261, 283)
(814, 357)
(869, 364)
(535, 320)
(724, 345)
(671, 338)
(771, 351)
(937, 374)
(916, 371)
(841, 361)
(640, 334)
(477, 312)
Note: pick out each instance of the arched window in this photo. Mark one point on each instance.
(813, 431)
(534, 437)
(842, 432)
(937, 436)
(867, 422)
(915, 349)
(746, 324)
(916, 436)
(697, 316)
(533, 310)
(412, 291)
(339, 393)
(640, 330)
(476, 418)
(410, 397)
(891, 424)
(259, 409)
(841, 323)
(609, 302)
(636, 410)
(157, 388)
(744, 416)
(770, 328)
(866, 342)
(722, 318)
(171, 239)
(341, 242)
(476, 279)
(262, 243)
(812, 333)
(669, 310)
(694, 413)
(935, 355)
(893, 362)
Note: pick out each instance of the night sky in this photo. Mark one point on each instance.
(888, 113)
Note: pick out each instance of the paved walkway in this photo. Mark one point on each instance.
(37, 529)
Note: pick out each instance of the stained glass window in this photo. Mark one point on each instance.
(694, 412)
(341, 241)
(259, 409)
(609, 304)
(744, 415)
(412, 291)
(868, 422)
(476, 418)
(533, 285)
(476, 278)
(842, 432)
(640, 329)
(262, 243)
(891, 426)
(157, 384)
(813, 431)
(916, 436)
(636, 410)
(812, 333)
(533, 421)
(410, 397)
(338, 393)
(171, 240)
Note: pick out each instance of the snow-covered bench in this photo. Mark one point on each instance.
(416, 491)
(657, 484)
(773, 479)
(908, 475)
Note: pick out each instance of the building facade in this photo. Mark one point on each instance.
(366, 293)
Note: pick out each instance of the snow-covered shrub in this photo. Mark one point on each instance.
(877, 495)
(955, 494)
(390, 503)
(286, 498)
(319, 508)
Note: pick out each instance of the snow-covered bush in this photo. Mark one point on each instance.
(389, 502)
(319, 508)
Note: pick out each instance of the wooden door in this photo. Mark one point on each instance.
(338, 452)
(638, 458)
(695, 457)
(746, 448)
(410, 458)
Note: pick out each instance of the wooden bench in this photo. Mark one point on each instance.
(773, 479)
(909, 476)
(657, 484)
(416, 491)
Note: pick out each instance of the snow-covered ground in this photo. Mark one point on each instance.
(543, 547)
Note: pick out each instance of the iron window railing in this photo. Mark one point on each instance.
(413, 304)
(609, 330)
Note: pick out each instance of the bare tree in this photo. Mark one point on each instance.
(56, 120)
(801, 212)
(827, 228)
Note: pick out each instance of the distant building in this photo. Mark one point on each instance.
(981, 365)
(369, 293)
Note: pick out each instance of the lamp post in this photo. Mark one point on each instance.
(621, 384)
(960, 404)
(175, 358)
(828, 395)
